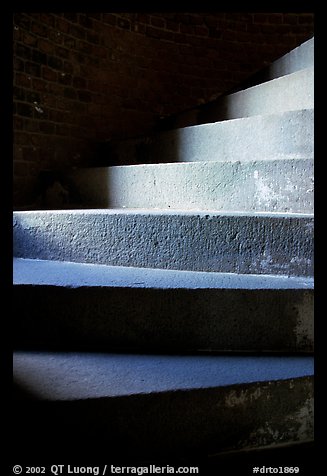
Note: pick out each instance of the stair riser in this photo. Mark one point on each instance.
(284, 135)
(205, 421)
(176, 319)
(276, 186)
(198, 242)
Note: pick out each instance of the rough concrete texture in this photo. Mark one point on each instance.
(285, 135)
(73, 305)
(272, 186)
(291, 92)
(164, 404)
(196, 241)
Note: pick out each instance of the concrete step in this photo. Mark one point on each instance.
(294, 91)
(160, 405)
(264, 186)
(73, 305)
(291, 92)
(242, 243)
(283, 135)
(299, 58)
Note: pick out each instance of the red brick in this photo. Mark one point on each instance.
(306, 19)
(21, 168)
(29, 39)
(196, 41)
(290, 19)
(72, 17)
(69, 42)
(47, 18)
(195, 19)
(24, 52)
(157, 21)
(181, 38)
(201, 30)
(56, 89)
(276, 18)
(96, 16)
(18, 123)
(55, 63)
(142, 18)
(64, 78)
(23, 79)
(47, 127)
(61, 129)
(153, 32)
(21, 137)
(49, 74)
(172, 25)
(85, 21)
(84, 47)
(211, 22)
(244, 37)
(49, 100)
(24, 109)
(260, 17)
(123, 23)
(17, 34)
(39, 29)
(99, 51)
(109, 18)
(139, 28)
(229, 35)
(18, 64)
(17, 152)
(59, 116)
(62, 53)
(45, 46)
(30, 155)
(256, 29)
(22, 20)
(93, 37)
(31, 125)
(188, 29)
(63, 25)
(95, 109)
(79, 83)
(77, 32)
(68, 67)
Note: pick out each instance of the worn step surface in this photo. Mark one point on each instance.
(272, 186)
(161, 404)
(196, 241)
(284, 135)
(73, 305)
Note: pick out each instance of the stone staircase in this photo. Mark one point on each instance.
(169, 312)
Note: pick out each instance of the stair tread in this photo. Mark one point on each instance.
(246, 119)
(75, 376)
(281, 79)
(69, 274)
(159, 211)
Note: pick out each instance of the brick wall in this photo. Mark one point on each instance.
(80, 79)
